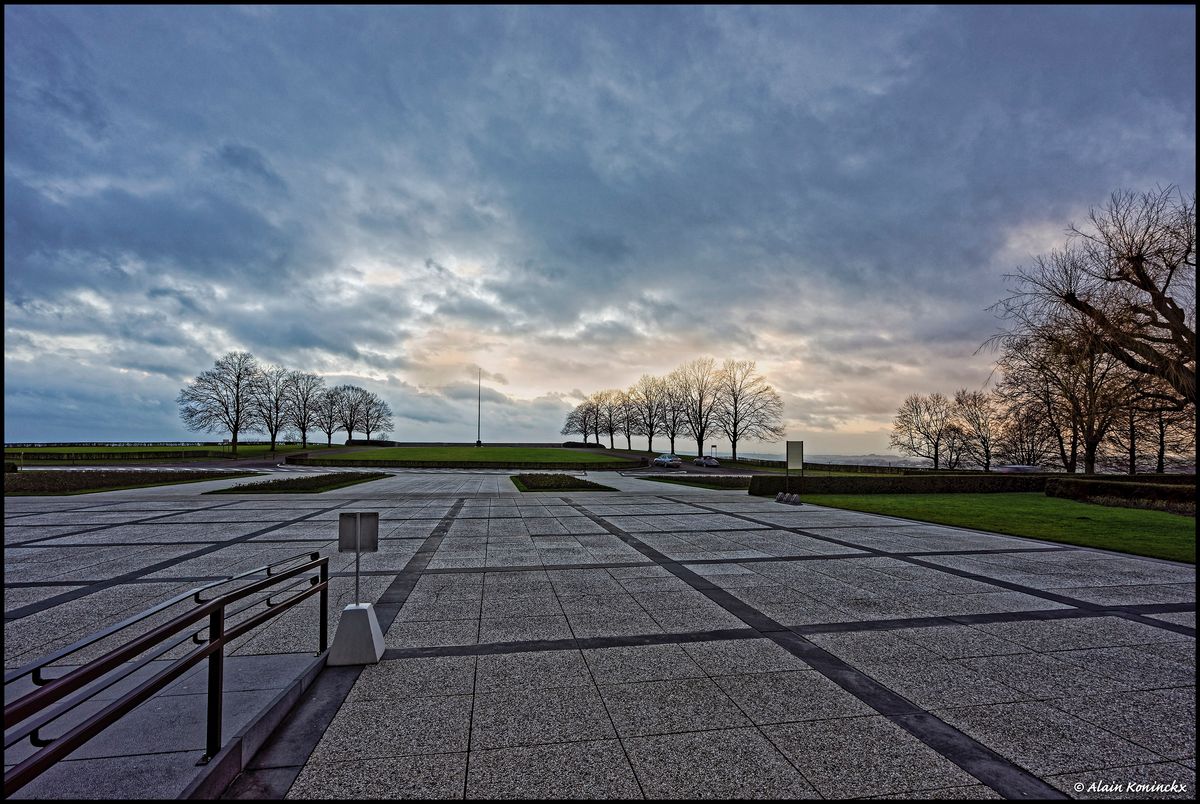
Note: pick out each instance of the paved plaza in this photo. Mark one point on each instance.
(657, 642)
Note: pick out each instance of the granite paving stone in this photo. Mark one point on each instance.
(431, 776)
(523, 716)
(664, 707)
(726, 764)
(853, 757)
(590, 769)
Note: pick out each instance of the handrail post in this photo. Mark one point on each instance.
(324, 606)
(216, 683)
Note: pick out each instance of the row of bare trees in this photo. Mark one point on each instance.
(1097, 367)
(239, 395)
(696, 400)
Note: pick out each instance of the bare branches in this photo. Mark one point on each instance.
(220, 399)
(748, 407)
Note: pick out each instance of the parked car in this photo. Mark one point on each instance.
(668, 460)
(706, 460)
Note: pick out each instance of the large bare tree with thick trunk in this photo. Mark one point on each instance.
(747, 407)
(376, 415)
(220, 399)
(1132, 274)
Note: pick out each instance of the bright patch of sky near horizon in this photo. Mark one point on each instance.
(566, 197)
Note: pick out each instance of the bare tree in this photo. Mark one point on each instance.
(220, 399)
(1081, 390)
(919, 428)
(648, 398)
(376, 415)
(351, 402)
(979, 415)
(1026, 438)
(270, 399)
(576, 423)
(325, 413)
(673, 418)
(304, 391)
(746, 406)
(1132, 275)
(608, 410)
(627, 417)
(698, 384)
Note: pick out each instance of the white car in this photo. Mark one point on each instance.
(668, 460)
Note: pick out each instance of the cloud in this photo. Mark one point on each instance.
(563, 198)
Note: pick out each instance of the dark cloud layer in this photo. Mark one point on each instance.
(566, 197)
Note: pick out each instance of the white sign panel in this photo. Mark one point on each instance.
(367, 525)
(795, 455)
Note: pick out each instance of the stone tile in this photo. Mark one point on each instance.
(587, 624)
(1137, 667)
(365, 729)
(520, 629)
(739, 656)
(969, 793)
(943, 683)
(534, 670)
(727, 764)
(664, 707)
(789, 697)
(1042, 676)
(959, 641)
(1163, 721)
(594, 769)
(412, 678)
(432, 634)
(419, 777)
(1045, 740)
(862, 756)
(642, 663)
(1164, 780)
(1098, 632)
(534, 716)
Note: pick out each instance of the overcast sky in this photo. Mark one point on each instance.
(567, 198)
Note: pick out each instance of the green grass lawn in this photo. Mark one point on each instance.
(499, 454)
(1128, 530)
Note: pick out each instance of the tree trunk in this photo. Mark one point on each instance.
(629, 442)
(303, 439)
(610, 441)
(233, 444)
(649, 443)
(1132, 445)
(1160, 466)
(733, 445)
(672, 444)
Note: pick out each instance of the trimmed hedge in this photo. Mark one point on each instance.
(1078, 489)
(770, 485)
(556, 483)
(9, 467)
(582, 445)
(119, 456)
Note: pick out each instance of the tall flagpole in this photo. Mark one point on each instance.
(479, 409)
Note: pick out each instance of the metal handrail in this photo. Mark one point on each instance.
(53, 691)
(36, 667)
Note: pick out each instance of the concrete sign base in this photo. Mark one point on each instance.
(358, 639)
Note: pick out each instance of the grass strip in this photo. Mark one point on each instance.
(308, 484)
(542, 482)
(1141, 532)
(712, 482)
(62, 483)
(479, 455)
